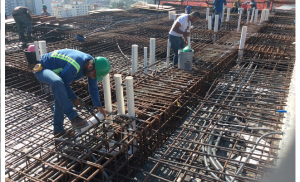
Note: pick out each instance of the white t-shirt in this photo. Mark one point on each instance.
(183, 20)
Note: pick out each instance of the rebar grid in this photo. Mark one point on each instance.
(227, 117)
(254, 94)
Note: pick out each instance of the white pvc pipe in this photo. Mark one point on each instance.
(216, 23)
(252, 15)
(228, 14)
(189, 37)
(207, 13)
(145, 60)
(130, 96)
(107, 93)
(256, 15)
(130, 103)
(152, 51)
(134, 58)
(239, 22)
(267, 14)
(43, 49)
(223, 13)
(241, 10)
(262, 17)
(209, 23)
(37, 51)
(92, 121)
(242, 41)
(119, 92)
(107, 100)
(168, 54)
(248, 14)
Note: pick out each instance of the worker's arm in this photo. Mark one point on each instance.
(94, 93)
(67, 76)
(177, 30)
(210, 3)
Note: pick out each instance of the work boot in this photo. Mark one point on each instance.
(78, 122)
(67, 134)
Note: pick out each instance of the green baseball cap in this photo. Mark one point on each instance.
(44, 6)
(102, 67)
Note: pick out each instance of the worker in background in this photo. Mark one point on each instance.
(178, 34)
(22, 17)
(218, 9)
(61, 67)
(253, 4)
(236, 5)
(45, 12)
(268, 4)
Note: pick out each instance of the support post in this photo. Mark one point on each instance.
(134, 58)
(119, 92)
(168, 54)
(37, 50)
(209, 23)
(256, 15)
(242, 41)
(152, 52)
(107, 100)
(252, 15)
(239, 22)
(248, 14)
(145, 60)
(42, 45)
(228, 14)
(130, 105)
(207, 13)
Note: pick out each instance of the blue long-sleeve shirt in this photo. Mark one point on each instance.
(219, 5)
(69, 64)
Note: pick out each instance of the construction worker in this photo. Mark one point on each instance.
(61, 67)
(178, 35)
(218, 9)
(22, 17)
(236, 5)
(45, 12)
(253, 4)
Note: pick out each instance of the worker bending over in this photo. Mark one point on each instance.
(45, 12)
(218, 9)
(178, 35)
(61, 67)
(22, 17)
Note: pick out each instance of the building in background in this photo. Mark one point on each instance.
(11, 4)
(75, 8)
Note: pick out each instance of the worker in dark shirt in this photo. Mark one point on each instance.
(61, 67)
(218, 9)
(22, 17)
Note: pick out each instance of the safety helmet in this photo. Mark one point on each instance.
(102, 67)
(44, 6)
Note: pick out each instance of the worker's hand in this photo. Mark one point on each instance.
(186, 34)
(76, 102)
(102, 110)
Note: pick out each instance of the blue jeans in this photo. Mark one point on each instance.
(176, 44)
(213, 18)
(62, 104)
(22, 20)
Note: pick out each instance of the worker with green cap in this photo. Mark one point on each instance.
(61, 67)
(45, 12)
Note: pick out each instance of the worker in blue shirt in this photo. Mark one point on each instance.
(61, 67)
(253, 4)
(218, 9)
